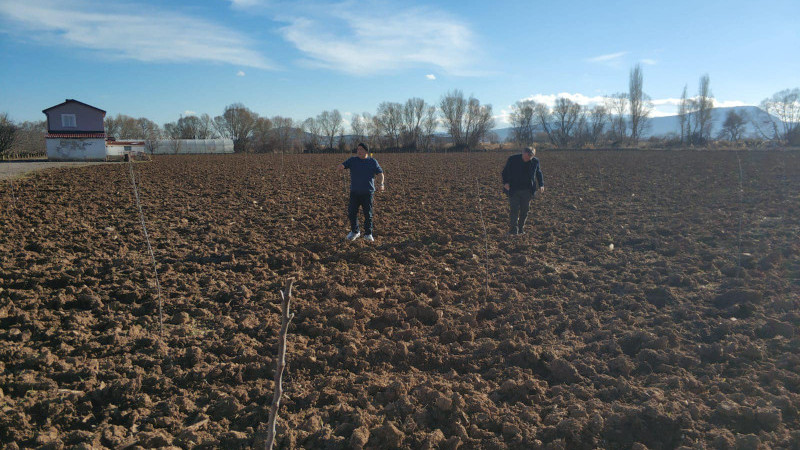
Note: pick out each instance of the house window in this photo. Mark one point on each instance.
(127, 148)
(68, 121)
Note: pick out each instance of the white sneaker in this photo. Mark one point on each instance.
(369, 238)
(353, 235)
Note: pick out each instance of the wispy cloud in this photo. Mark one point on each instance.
(240, 73)
(610, 58)
(245, 4)
(649, 62)
(365, 38)
(550, 99)
(430, 76)
(127, 31)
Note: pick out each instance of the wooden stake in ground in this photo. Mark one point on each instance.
(286, 317)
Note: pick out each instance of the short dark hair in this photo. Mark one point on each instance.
(529, 150)
(363, 145)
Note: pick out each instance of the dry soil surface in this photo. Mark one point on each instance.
(444, 333)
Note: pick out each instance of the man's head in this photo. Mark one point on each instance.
(528, 153)
(362, 150)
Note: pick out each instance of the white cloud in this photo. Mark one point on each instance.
(610, 58)
(189, 113)
(430, 76)
(729, 103)
(649, 62)
(365, 39)
(550, 99)
(126, 31)
(661, 106)
(244, 4)
(240, 73)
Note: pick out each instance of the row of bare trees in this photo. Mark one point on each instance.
(409, 126)
(20, 140)
(249, 131)
(623, 118)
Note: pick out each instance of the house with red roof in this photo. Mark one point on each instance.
(75, 132)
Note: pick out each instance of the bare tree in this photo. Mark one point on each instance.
(639, 102)
(311, 129)
(785, 106)
(236, 123)
(261, 140)
(429, 125)
(703, 104)
(205, 127)
(173, 132)
(734, 126)
(453, 106)
(150, 132)
(190, 127)
(598, 119)
(330, 122)
(390, 116)
(542, 114)
(478, 123)
(358, 129)
(285, 134)
(413, 112)
(121, 127)
(523, 122)
(8, 132)
(374, 130)
(566, 115)
(683, 116)
(466, 119)
(29, 138)
(617, 106)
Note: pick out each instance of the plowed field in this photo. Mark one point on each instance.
(444, 333)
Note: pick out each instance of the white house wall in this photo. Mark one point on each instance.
(76, 149)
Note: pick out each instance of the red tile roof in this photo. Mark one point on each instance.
(124, 142)
(75, 135)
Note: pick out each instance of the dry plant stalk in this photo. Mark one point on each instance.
(286, 317)
(149, 250)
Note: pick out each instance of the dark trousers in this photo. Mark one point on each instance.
(519, 204)
(364, 200)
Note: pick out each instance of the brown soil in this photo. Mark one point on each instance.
(686, 333)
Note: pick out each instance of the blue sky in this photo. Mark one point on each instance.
(164, 59)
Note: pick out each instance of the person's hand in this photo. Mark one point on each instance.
(507, 187)
(541, 189)
(381, 187)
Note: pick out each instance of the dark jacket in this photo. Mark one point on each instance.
(519, 174)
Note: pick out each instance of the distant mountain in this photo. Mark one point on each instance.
(663, 126)
(667, 125)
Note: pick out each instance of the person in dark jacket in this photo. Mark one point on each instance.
(363, 170)
(521, 176)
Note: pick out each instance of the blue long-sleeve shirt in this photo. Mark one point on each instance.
(362, 173)
(520, 175)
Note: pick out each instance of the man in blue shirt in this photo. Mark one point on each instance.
(521, 175)
(363, 171)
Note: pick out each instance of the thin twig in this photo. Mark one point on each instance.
(13, 194)
(149, 248)
(280, 365)
(483, 225)
(741, 217)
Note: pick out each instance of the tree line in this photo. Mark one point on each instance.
(623, 119)
(416, 125)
